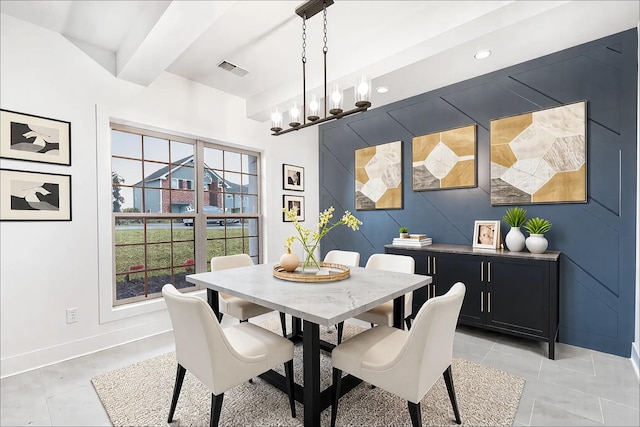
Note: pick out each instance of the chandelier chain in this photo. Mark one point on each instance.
(325, 49)
(304, 39)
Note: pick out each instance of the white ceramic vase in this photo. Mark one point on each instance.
(289, 261)
(514, 240)
(537, 243)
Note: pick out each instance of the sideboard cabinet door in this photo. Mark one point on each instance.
(518, 296)
(452, 268)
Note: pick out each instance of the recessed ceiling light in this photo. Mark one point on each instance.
(382, 89)
(482, 54)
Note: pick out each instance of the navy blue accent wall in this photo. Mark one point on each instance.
(597, 283)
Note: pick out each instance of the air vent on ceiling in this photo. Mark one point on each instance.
(233, 69)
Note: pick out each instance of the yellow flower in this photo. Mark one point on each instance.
(309, 240)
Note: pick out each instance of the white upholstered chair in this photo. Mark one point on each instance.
(348, 258)
(405, 363)
(221, 358)
(383, 314)
(237, 307)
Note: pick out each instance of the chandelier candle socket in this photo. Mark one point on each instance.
(310, 240)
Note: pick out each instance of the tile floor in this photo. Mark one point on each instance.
(580, 388)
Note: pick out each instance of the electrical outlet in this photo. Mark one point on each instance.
(72, 315)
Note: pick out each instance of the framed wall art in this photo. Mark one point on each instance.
(33, 196)
(540, 157)
(292, 177)
(378, 171)
(486, 234)
(293, 202)
(34, 138)
(444, 160)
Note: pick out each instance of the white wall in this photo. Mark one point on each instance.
(46, 267)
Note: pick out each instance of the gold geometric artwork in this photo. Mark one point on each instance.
(540, 157)
(378, 171)
(444, 160)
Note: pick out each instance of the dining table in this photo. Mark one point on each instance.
(311, 305)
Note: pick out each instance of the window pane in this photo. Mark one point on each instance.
(250, 226)
(155, 174)
(235, 246)
(152, 200)
(183, 254)
(250, 204)
(126, 144)
(128, 171)
(158, 230)
(249, 184)
(128, 231)
(215, 248)
(130, 259)
(156, 149)
(249, 164)
(181, 151)
(159, 255)
(157, 279)
(183, 189)
(232, 161)
(253, 246)
(213, 158)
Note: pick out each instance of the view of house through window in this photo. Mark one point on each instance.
(176, 204)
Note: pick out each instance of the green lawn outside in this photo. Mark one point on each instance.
(159, 247)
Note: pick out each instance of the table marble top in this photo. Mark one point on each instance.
(325, 303)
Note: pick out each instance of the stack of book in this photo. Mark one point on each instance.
(414, 240)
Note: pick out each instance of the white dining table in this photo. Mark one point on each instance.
(315, 304)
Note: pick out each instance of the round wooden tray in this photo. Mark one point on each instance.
(313, 277)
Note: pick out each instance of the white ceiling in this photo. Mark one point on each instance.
(410, 46)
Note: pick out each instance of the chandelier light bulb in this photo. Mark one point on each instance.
(363, 92)
(336, 100)
(313, 109)
(276, 121)
(294, 115)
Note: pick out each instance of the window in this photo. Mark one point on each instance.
(163, 228)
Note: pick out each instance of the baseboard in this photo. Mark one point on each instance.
(20, 363)
(635, 360)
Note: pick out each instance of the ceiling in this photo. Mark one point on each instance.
(410, 46)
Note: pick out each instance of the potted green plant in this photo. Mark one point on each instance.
(537, 227)
(404, 232)
(515, 217)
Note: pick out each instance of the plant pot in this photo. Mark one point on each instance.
(289, 261)
(537, 243)
(404, 235)
(514, 240)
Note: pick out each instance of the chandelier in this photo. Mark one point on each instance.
(308, 114)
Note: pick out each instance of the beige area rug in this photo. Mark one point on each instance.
(140, 395)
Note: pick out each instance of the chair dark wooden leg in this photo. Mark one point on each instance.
(335, 393)
(340, 329)
(216, 408)
(288, 371)
(372, 324)
(176, 391)
(220, 316)
(448, 379)
(408, 322)
(283, 323)
(245, 320)
(414, 412)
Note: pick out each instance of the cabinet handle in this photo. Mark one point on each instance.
(434, 290)
(481, 301)
(489, 271)
(434, 265)
(428, 292)
(429, 265)
(482, 271)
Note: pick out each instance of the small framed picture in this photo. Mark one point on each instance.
(34, 196)
(34, 138)
(292, 177)
(293, 202)
(486, 234)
